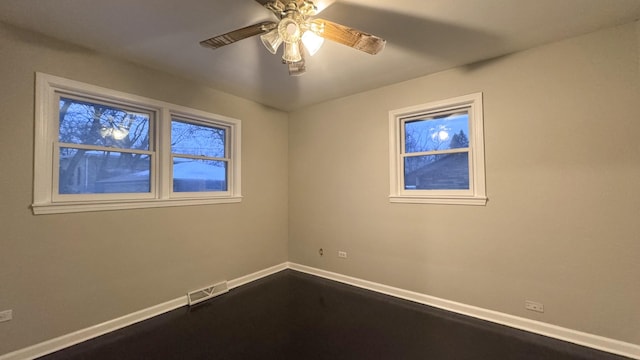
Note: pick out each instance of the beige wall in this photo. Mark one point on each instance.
(61, 273)
(562, 126)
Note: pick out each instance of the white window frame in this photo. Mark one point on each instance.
(200, 121)
(476, 194)
(46, 199)
(65, 198)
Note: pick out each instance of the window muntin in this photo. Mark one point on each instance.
(437, 152)
(99, 149)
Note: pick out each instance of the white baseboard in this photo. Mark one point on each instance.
(573, 336)
(53, 345)
(255, 276)
(537, 327)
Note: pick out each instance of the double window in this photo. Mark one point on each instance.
(437, 152)
(98, 149)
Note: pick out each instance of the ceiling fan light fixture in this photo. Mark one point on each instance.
(291, 52)
(297, 68)
(276, 6)
(289, 30)
(301, 34)
(271, 40)
(308, 8)
(312, 42)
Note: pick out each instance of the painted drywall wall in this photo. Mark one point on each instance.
(562, 171)
(560, 226)
(61, 273)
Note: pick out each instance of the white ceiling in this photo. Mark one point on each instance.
(423, 37)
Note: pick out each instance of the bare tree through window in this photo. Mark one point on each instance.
(96, 142)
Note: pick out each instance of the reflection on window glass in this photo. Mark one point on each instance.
(191, 175)
(198, 140)
(103, 172)
(87, 123)
(437, 172)
(449, 131)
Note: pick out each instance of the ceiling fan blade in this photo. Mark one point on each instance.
(237, 35)
(345, 35)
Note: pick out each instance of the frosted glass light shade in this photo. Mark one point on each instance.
(312, 42)
(291, 52)
(289, 30)
(271, 40)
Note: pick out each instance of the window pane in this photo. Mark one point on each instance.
(437, 172)
(450, 131)
(101, 172)
(88, 123)
(191, 175)
(199, 140)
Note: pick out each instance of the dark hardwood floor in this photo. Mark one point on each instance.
(290, 315)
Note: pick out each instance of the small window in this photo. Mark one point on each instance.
(99, 149)
(199, 157)
(437, 152)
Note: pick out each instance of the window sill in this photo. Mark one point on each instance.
(63, 208)
(442, 200)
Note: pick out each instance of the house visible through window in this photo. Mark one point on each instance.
(437, 153)
(99, 149)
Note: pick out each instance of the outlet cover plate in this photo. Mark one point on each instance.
(534, 306)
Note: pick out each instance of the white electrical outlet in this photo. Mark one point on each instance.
(533, 306)
(6, 315)
(342, 254)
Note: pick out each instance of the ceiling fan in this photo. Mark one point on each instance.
(297, 30)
